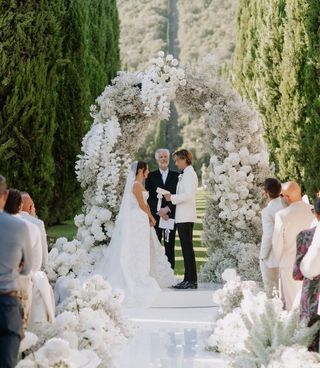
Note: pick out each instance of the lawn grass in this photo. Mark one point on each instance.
(68, 230)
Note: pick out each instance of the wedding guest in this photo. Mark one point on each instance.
(310, 264)
(14, 247)
(311, 286)
(13, 207)
(166, 179)
(186, 215)
(288, 224)
(37, 292)
(28, 213)
(269, 265)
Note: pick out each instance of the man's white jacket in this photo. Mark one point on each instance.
(185, 199)
(288, 224)
(268, 219)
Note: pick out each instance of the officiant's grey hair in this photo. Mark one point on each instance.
(158, 151)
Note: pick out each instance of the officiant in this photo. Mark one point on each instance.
(162, 210)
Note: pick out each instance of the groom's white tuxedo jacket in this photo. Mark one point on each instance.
(185, 199)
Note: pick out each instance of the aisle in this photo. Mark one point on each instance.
(173, 333)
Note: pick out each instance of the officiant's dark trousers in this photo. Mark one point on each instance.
(185, 231)
(168, 246)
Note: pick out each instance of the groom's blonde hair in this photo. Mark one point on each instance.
(183, 154)
(158, 151)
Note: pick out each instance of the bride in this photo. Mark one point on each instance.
(135, 261)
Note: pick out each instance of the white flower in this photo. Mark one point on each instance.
(174, 62)
(28, 341)
(79, 220)
(104, 215)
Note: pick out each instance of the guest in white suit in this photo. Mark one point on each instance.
(13, 207)
(269, 265)
(28, 213)
(289, 222)
(36, 291)
(185, 201)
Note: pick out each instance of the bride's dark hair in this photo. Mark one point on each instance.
(141, 166)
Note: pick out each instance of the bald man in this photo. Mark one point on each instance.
(28, 213)
(289, 222)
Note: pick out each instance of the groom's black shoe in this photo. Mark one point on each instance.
(187, 285)
(179, 286)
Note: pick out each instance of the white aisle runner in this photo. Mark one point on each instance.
(173, 333)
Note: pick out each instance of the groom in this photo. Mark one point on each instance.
(185, 201)
(168, 180)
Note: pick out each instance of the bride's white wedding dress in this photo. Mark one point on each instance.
(135, 260)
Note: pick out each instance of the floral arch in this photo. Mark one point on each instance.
(238, 166)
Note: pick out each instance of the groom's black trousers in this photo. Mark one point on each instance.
(185, 231)
(168, 246)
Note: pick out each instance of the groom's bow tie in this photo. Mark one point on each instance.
(182, 172)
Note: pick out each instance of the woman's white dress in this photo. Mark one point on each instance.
(135, 260)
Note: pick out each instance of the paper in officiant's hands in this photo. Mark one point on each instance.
(162, 192)
(166, 224)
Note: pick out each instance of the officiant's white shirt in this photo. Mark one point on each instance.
(185, 199)
(164, 174)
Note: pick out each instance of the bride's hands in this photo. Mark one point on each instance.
(153, 222)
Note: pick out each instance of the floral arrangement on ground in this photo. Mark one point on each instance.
(263, 334)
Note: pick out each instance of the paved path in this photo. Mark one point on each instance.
(173, 333)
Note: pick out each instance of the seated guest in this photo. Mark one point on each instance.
(311, 286)
(28, 213)
(288, 224)
(40, 309)
(269, 265)
(14, 247)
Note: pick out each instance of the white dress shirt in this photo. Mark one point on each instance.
(40, 224)
(164, 174)
(185, 199)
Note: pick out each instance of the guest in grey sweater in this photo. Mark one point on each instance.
(15, 259)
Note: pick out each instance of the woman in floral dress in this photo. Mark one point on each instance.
(311, 288)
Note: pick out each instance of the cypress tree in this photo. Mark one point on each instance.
(30, 53)
(292, 102)
(310, 91)
(56, 58)
(300, 89)
(91, 60)
(269, 75)
(247, 43)
(280, 76)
